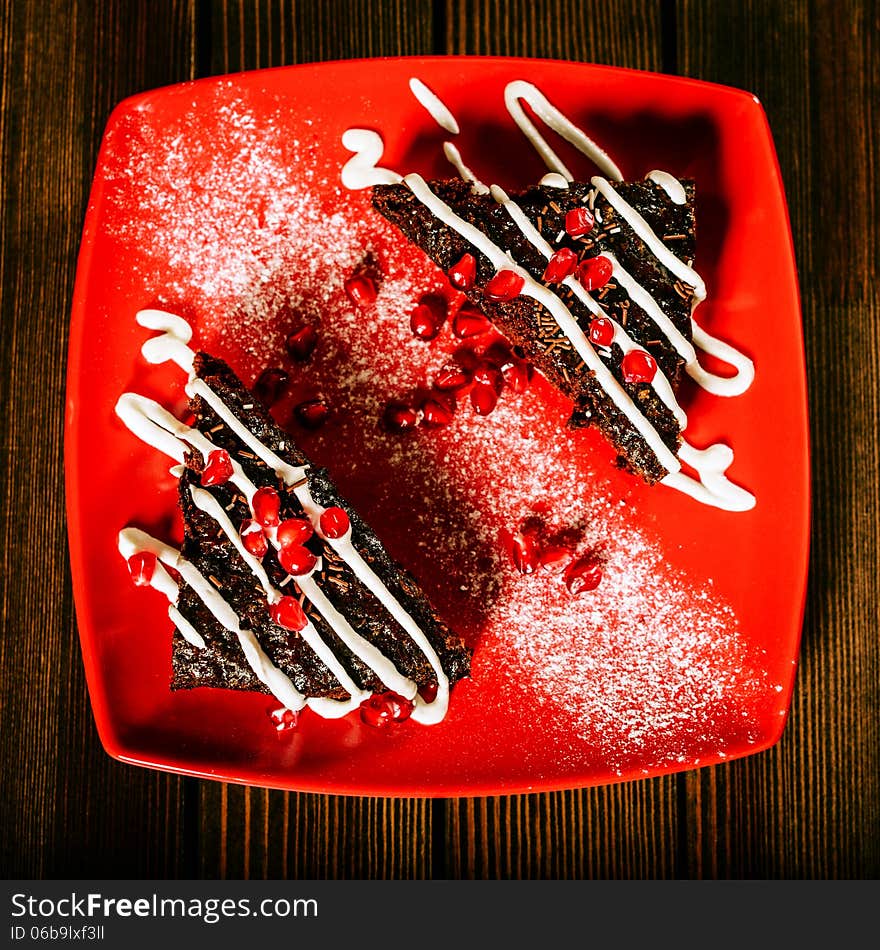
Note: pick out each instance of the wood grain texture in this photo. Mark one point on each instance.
(252, 833)
(616, 32)
(811, 806)
(256, 35)
(621, 831)
(67, 809)
(255, 833)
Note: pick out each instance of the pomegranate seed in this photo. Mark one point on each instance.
(253, 539)
(288, 613)
(468, 359)
(483, 399)
(173, 572)
(515, 372)
(436, 413)
(399, 417)
(141, 567)
(382, 709)
(335, 523)
(451, 377)
(361, 290)
(463, 274)
(469, 322)
(296, 559)
(218, 471)
(582, 574)
(498, 354)
(601, 331)
(531, 526)
(269, 386)
(518, 375)
(638, 367)
(283, 719)
(505, 285)
(560, 265)
(424, 323)
(301, 345)
(312, 413)
(436, 304)
(579, 221)
(488, 375)
(595, 272)
(524, 552)
(267, 506)
(555, 558)
(293, 531)
(428, 692)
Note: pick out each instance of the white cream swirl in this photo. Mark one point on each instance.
(157, 427)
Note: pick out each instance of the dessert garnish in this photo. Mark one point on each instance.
(592, 280)
(279, 587)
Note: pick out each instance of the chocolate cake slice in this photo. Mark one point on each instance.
(571, 276)
(283, 587)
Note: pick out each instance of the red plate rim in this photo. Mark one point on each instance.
(108, 734)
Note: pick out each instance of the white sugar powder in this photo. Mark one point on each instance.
(248, 230)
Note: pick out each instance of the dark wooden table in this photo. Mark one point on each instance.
(808, 808)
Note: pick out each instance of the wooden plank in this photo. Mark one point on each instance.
(252, 832)
(616, 32)
(811, 806)
(246, 35)
(68, 810)
(620, 831)
(256, 833)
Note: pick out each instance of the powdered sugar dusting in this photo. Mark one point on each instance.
(245, 229)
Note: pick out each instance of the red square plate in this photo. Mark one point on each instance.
(222, 200)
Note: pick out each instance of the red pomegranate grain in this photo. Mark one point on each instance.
(383, 709)
(301, 344)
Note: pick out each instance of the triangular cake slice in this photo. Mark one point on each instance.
(283, 588)
(591, 263)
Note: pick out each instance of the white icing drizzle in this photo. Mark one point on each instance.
(552, 303)
(717, 385)
(163, 322)
(187, 630)
(454, 157)
(331, 708)
(160, 429)
(734, 385)
(660, 383)
(712, 488)
(361, 170)
(554, 180)
(132, 540)
(362, 649)
(172, 344)
(152, 424)
(436, 108)
(289, 474)
(641, 227)
(555, 120)
(670, 184)
(424, 712)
